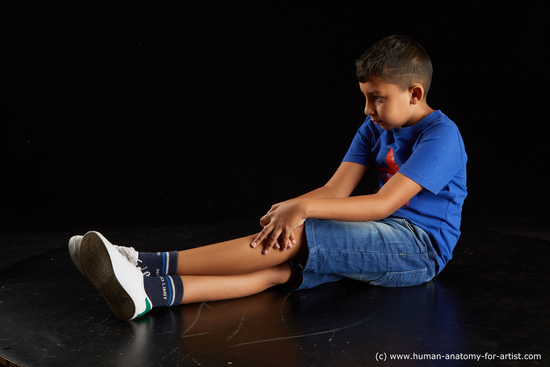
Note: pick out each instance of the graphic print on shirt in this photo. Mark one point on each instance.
(392, 169)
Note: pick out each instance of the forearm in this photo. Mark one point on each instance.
(398, 191)
(351, 209)
(327, 203)
(321, 192)
(341, 184)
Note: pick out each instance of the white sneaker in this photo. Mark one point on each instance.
(74, 250)
(119, 282)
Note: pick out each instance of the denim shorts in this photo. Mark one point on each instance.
(392, 252)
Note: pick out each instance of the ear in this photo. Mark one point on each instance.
(416, 92)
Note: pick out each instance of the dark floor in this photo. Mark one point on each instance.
(491, 303)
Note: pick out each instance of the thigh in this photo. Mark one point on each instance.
(390, 252)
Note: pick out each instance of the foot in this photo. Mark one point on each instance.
(119, 282)
(74, 250)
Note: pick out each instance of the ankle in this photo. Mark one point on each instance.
(158, 263)
(164, 291)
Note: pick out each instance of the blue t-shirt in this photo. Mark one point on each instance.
(431, 153)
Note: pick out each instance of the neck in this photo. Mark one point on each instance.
(422, 111)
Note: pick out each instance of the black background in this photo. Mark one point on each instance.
(131, 115)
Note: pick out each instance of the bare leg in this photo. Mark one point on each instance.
(237, 257)
(203, 288)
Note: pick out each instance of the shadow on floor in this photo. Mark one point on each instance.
(489, 304)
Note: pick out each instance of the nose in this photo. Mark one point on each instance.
(368, 108)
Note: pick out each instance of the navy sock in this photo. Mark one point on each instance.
(158, 263)
(164, 291)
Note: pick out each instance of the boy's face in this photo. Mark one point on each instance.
(388, 106)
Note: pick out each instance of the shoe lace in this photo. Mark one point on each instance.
(130, 253)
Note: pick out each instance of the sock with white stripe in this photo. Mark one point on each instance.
(164, 291)
(158, 263)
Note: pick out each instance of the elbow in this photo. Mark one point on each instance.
(384, 213)
(386, 207)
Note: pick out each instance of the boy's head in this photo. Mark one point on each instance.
(396, 60)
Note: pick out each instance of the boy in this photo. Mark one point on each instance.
(403, 235)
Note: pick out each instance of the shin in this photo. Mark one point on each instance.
(203, 288)
(237, 257)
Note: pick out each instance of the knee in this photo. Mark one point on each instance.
(279, 274)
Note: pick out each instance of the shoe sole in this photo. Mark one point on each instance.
(74, 251)
(98, 268)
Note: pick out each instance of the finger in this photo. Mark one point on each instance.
(271, 240)
(265, 220)
(292, 240)
(281, 245)
(273, 208)
(269, 243)
(259, 238)
(286, 239)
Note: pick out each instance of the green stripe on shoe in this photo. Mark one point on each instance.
(148, 307)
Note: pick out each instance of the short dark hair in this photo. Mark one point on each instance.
(396, 60)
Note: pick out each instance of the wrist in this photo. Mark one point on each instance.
(304, 207)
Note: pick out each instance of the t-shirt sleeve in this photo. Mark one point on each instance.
(436, 159)
(360, 148)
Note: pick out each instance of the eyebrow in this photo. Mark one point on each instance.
(376, 91)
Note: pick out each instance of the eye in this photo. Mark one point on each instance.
(377, 98)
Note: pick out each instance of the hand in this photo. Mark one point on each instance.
(277, 244)
(279, 223)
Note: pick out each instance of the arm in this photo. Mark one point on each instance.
(342, 183)
(393, 195)
(281, 220)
